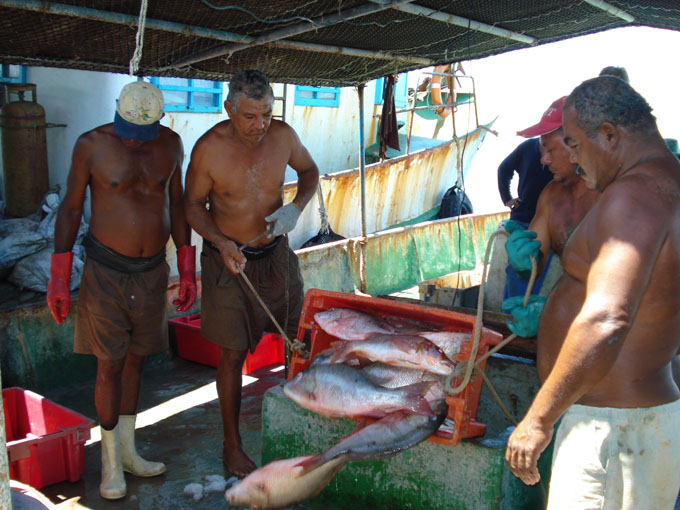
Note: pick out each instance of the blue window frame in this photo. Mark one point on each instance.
(400, 91)
(317, 96)
(190, 95)
(12, 74)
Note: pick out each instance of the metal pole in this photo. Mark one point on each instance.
(615, 11)
(452, 19)
(292, 30)
(362, 174)
(122, 19)
(362, 159)
(354, 52)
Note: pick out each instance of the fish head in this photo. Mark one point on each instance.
(249, 493)
(332, 314)
(302, 387)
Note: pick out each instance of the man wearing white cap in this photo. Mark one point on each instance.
(561, 206)
(133, 168)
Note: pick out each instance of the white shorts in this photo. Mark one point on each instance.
(616, 459)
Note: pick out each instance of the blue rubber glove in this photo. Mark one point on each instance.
(525, 319)
(283, 220)
(521, 246)
(511, 226)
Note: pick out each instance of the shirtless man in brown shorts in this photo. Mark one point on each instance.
(561, 206)
(238, 167)
(133, 168)
(611, 326)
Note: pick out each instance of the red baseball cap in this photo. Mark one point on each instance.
(551, 120)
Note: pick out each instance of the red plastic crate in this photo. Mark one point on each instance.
(193, 347)
(45, 441)
(462, 407)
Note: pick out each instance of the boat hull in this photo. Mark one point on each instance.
(397, 190)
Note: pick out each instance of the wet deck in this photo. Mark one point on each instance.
(178, 404)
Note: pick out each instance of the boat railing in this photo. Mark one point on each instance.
(414, 101)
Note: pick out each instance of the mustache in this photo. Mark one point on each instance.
(579, 171)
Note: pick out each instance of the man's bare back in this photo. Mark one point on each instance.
(130, 183)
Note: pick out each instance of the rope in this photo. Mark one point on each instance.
(448, 385)
(139, 40)
(495, 396)
(322, 209)
(449, 389)
(292, 345)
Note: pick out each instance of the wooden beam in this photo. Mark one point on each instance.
(292, 30)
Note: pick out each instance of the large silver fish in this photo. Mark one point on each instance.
(350, 324)
(338, 390)
(400, 350)
(388, 436)
(283, 483)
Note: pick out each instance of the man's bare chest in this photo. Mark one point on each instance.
(250, 174)
(125, 173)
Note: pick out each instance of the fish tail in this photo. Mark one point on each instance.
(342, 351)
(416, 400)
(418, 389)
(311, 463)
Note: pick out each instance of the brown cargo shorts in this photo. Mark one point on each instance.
(121, 312)
(231, 316)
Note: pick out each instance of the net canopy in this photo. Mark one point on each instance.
(306, 42)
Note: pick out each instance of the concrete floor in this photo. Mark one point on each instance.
(179, 424)
(187, 437)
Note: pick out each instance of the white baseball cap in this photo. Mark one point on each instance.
(138, 111)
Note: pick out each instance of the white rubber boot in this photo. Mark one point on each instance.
(113, 480)
(133, 463)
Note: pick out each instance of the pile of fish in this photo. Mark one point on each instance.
(386, 368)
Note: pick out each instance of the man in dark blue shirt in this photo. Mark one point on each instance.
(533, 177)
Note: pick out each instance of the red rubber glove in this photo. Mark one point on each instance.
(58, 293)
(186, 265)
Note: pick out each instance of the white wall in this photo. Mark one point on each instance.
(331, 135)
(84, 100)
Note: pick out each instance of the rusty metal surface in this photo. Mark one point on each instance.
(397, 190)
(24, 152)
(400, 258)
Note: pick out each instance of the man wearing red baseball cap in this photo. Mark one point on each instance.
(561, 207)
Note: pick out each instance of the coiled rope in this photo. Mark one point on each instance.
(449, 387)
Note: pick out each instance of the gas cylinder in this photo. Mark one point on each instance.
(24, 151)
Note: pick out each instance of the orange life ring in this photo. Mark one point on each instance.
(436, 90)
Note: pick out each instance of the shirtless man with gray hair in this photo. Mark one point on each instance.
(611, 326)
(238, 167)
